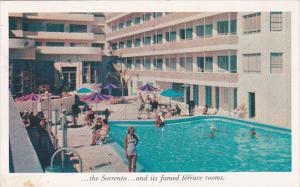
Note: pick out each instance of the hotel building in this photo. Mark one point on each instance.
(218, 59)
(54, 49)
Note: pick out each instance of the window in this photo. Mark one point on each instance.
(234, 98)
(147, 40)
(129, 63)
(182, 34)
(251, 63)
(170, 64)
(186, 64)
(137, 20)
(137, 42)
(223, 27)
(77, 28)
(138, 64)
(205, 65)
(128, 23)
(225, 65)
(182, 64)
(171, 37)
(147, 16)
(157, 14)
(38, 43)
(114, 28)
(121, 45)
(276, 21)
(51, 27)
(157, 38)
(85, 67)
(204, 31)
(98, 45)
(12, 24)
(276, 62)
(121, 26)
(189, 64)
(33, 26)
(158, 64)
(189, 33)
(89, 72)
(114, 46)
(147, 64)
(129, 43)
(252, 23)
(72, 44)
(55, 44)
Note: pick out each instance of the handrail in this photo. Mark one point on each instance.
(68, 149)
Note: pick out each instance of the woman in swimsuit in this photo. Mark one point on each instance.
(130, 142)
(101, 133)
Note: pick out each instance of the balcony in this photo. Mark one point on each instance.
(59, 36)
(22, 53)
(16, 43)
(162, 22)
(16, 33)
(99, 38)
(115, 15)
(185, 46)
(193, 77)
(60, 16)
(69, 50)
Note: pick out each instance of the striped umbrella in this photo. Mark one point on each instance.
(29, 97)
(148, 88)
(109, 87)
(95, 98)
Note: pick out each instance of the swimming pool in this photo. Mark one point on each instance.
(184, 146)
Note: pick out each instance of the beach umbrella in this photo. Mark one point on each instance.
(95, 98)
(148, 88)
(84, 90)
(109, 87)
(170, 93)
(30, 97)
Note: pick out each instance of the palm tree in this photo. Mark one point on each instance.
(121, 75)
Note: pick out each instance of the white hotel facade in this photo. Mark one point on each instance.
(218, 59)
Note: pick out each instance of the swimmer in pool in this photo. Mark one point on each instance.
(212, 132)
(253, 132)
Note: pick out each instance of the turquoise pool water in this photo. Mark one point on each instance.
(185, 146)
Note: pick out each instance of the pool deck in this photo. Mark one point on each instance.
(94, 158)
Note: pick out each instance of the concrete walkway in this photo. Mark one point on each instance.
(94, 158)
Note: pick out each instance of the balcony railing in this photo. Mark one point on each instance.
(59, 35)
(69, 50)
(166, 21)
(184, 46)
(16, 43)
(60, 16)
(100, 38)
(193, 76)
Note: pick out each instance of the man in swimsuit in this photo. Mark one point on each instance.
(130, 142)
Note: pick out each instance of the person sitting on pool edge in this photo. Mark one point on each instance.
(205, 110)
(101, 133)
(98, 125)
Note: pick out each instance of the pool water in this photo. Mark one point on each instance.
(185, 147)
